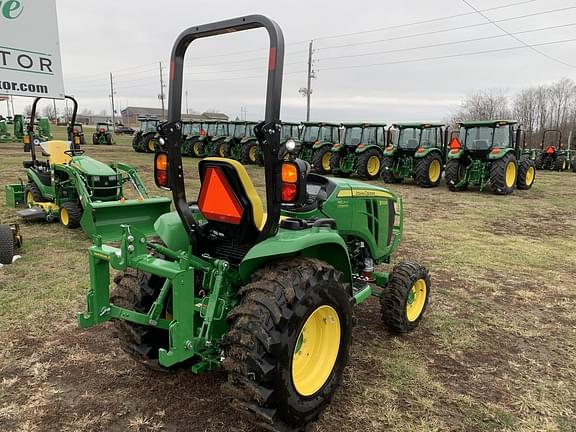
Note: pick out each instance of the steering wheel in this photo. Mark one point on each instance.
(72, 153)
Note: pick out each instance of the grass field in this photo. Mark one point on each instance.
(496, 352)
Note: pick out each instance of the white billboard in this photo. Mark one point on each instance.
(30, 62)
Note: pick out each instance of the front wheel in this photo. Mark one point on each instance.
(288, 343)
(526, 174)
(428, 171)
(321, 160)
(369, 164)
(70, 214)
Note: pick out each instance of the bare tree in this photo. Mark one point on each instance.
(562, 94)
(49, 112)
(87, 112)
(484, 105)
(27, 110)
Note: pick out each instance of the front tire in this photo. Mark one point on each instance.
(288, 343)
(32, 195)
(70, 214)
(6, 244)
(369, 164)
(526, 174)
(428, 170)
(321, 160)
(503, 173)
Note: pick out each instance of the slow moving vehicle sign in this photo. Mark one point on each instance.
(30, 62)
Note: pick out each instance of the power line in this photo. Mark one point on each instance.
(527, 45)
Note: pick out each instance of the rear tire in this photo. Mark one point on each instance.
(95, 139)
(268, 381)
(560, 164)
(197, 149)
(503, 174)
(149, 143)
(108, 139)
(321, 160)
(574, 165)
(335, 161)
(387, 172)
(455, 171)
(70, 214)
(526, 174)
(32, 191)
(223, 150)
(249, 154)
(136, 143)
(406, 297)
(538, 162)
(6, 244)
(428, 170)
(369, 164)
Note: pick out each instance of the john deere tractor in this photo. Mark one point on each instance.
(102, 135)
(218, 145)
(144, 140)
(264, 291)
(360, 151)
(198, 145)
(488, 154)
(416, 150)
(552, 154)
(249, 152)
(76, 135)
(82, 192)
(317, 141)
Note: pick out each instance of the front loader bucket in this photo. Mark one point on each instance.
(104, 219)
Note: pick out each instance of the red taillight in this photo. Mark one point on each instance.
(162, 178)
(361, 146)
(390, 148)
(495, 150)
(421, 150)
(161, 171)
(289, 192)
(102, 130)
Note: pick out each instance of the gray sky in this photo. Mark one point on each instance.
(228, 72)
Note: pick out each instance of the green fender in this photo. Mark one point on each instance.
(455, 154)
(368, 147)
(46, 191)
(426, 152)
(321, 144)
(389, 151)
(500, 154)
(318, 242)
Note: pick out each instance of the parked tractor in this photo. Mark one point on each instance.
(191, 132)
(225, 283)
(552, 155)
(488, 154)
(249, 146)
(417, 151)
(80, 191)
(317, 141)
(76, 135)
(144, 140)
(197, 145)
(10, 240)
(359, 151)
(218, 145)
(4, 134)
(103, 135)
(43, 130)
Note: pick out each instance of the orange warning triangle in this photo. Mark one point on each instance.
(217, 200)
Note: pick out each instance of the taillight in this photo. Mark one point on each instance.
(161, 171)
(421, 150)
(496, 150)
(293, 176)
(289, 192)
(390, 148)
(26, 139)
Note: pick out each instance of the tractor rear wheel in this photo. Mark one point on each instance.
(109, 139)
(149, 143)
(32, 194)
(428, 170)
(249, 155)
(369, 164)
(321, 160)
(526, 174)
(455, 172)
(503, 173)
(223, 150)
(387, 172)
(288, 343)
(95, 139)
(560, 164)
(574, 165)
(336, 164)
(6, 244)
(136, 145)
(538, 163)
(406, 297)
(197, 149)
(137, 291)
(70, 214)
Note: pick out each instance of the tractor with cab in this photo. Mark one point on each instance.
(145, 140)
(488, 154)
(264, 289)
(360, 150)
(248, 146)
(552, 154)
(415, 151)
(217, 145)
(317, 141)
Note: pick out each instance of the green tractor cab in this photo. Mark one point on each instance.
(360, 150)
(248, 146)
(191, 131)
(415, 150)
(103, 135)
(237, 131)
(218, 146)
(263, 290)
(80, 191)
(144, 140)
(553, 155)
(317, 141)
(488, 154)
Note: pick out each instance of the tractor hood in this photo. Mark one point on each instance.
(354, 188)
(90, 166)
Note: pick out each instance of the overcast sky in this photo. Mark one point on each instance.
(129, 38)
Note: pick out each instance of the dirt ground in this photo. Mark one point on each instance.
(496, 352)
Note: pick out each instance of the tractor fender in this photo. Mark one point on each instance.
(362, 148)
(318, 242)
(455, 154)
(500, 154)
(338, 148)
(426, 152)
(46, 191)
(318, 145)
(170, 229)
(389, 151)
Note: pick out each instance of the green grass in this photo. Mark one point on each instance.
(497, 351)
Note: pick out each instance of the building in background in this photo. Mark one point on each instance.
(130, 115)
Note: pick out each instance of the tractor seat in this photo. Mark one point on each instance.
(55, 151)
(228, 200)
(32, 164)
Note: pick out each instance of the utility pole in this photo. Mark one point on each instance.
(55, 112)
(162, 91)
(112, 99)
(307, 91)
(187, 111)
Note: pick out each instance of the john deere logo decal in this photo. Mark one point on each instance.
(11, 9)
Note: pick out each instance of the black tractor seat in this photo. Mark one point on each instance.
(32, 164)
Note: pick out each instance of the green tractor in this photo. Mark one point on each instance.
(488, 154)
(317, 141)
(231, 145)
(198, 145)
(4, 134)
(144, 140)
(553, 156)
(82, 192)
(191, 130)
(415, 150)
(360, 150)
(76, 135)
(248, 147)
(264, 292)
(10, 240)
(103, 135)
(218, 144)
(43, 130)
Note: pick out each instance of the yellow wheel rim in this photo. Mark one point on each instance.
(510, 174)
(64, 217)
(530, 174)
(252, 153)
(221, 151)
(373, 165)
(416, 300)
(151, 145)
(326, 161)
(197, 149)
(316, 350)
(434, 171)
(29, 197)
